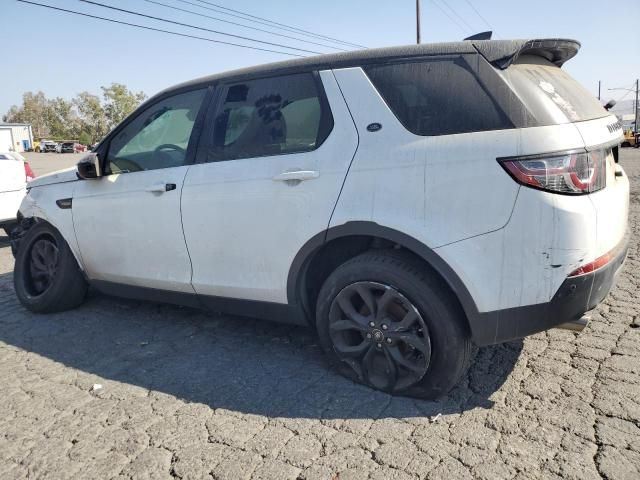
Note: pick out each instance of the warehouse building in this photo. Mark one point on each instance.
(17, 137)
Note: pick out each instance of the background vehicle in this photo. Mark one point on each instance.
(66, 147)
(15, 172)
(631, 139)
(409, 203)
(48, 146)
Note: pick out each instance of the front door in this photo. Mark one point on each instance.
(128, 222)
(272, 159)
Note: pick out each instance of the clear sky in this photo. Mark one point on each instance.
(63, 54)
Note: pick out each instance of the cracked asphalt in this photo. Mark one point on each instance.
(191, 395)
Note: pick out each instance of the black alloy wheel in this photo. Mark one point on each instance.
(43, 265)
(380, 334)
(46, 276)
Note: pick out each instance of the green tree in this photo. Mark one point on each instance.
(34, 110)
(92, 117)
(63, 119)
(85, 138)
(119, 102)
(86, 114)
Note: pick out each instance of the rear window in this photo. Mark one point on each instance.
(439, 96)
(549, 93)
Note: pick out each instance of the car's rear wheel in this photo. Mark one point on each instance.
(385, 321)
(46, 276)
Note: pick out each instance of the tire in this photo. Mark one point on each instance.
(47, 277)
(436, 346)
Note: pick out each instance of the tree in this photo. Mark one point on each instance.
(86, 115)
(63, 120)
(92, 117)
(119, 102)
(34, 110)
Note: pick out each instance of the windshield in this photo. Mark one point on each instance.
(550, 94)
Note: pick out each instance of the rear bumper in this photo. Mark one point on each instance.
(9, 205)
(575, 296)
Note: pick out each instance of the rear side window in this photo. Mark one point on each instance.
(439, 96)
(550, 94)
(270, 116)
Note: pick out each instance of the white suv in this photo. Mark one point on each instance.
(407, 203)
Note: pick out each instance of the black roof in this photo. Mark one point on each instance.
(501, 53)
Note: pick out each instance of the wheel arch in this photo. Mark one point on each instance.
(327, 250)
(32, 218)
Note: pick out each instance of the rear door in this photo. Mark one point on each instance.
(271, 165)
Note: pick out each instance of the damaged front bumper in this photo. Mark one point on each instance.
(18, 233)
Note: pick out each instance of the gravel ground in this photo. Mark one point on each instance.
(189, 395)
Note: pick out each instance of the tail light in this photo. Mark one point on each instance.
(570, 173)
(28, 172)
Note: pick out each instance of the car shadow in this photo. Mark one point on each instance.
(240, 364)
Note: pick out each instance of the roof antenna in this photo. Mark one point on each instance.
(481, 36)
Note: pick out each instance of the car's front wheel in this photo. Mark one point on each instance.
(47, 277)
(386, 321)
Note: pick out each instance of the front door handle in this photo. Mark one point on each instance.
(296, 176)
(161, 187)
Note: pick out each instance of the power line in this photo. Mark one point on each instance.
(198, 28)
(456, 14)
(450, 17)
(479, 15)
(159, 29)
(270, 22)
(241, 25)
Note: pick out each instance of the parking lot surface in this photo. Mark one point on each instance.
(127, 389)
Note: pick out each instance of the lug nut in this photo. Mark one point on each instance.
(379, 345)
(368, 335)
(384, 326)
(388, 340)
(371, 324)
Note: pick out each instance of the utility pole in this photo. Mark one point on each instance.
(635, 123)
(418, 22)
(599, 89)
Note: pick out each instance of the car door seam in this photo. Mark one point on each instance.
(344, 180)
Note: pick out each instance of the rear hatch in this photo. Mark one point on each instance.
(12, 173)
(553, 97)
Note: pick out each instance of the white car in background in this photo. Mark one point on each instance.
(15, 172)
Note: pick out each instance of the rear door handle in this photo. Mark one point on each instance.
(161, 187)
(296, 176)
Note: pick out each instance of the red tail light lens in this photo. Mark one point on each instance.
(28, 172)
(571, 173)
(599, 262)
(592, 266)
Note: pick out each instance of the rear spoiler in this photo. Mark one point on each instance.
(502, 53)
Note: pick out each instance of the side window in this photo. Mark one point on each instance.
(158, 137)
(270, 116)
(439, 96)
